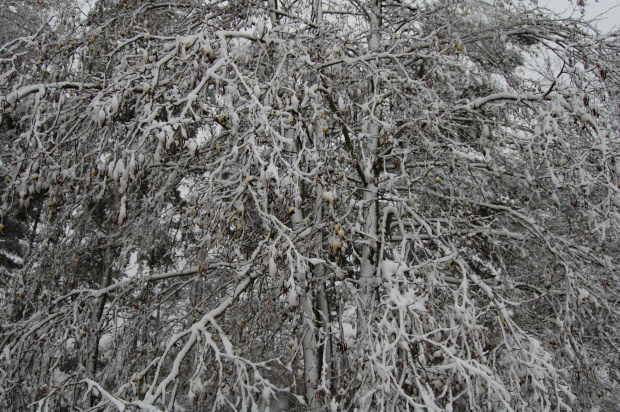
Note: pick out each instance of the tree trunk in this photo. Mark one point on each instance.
(96, 312)
(370, 199)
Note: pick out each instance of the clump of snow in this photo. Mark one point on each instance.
(122, 214)
(335, 243)
(292, 293)
(328, 197)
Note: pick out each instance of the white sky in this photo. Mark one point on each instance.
(608, 11)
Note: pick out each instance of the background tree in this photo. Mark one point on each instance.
(22, 22)
(372, 205)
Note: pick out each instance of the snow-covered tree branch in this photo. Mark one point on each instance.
(308, 205)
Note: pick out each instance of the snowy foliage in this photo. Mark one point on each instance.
(309, 205)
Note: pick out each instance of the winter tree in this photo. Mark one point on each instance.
(308, 205)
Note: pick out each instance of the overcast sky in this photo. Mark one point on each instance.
(607, 10)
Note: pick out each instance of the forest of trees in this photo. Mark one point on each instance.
(308, 205)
